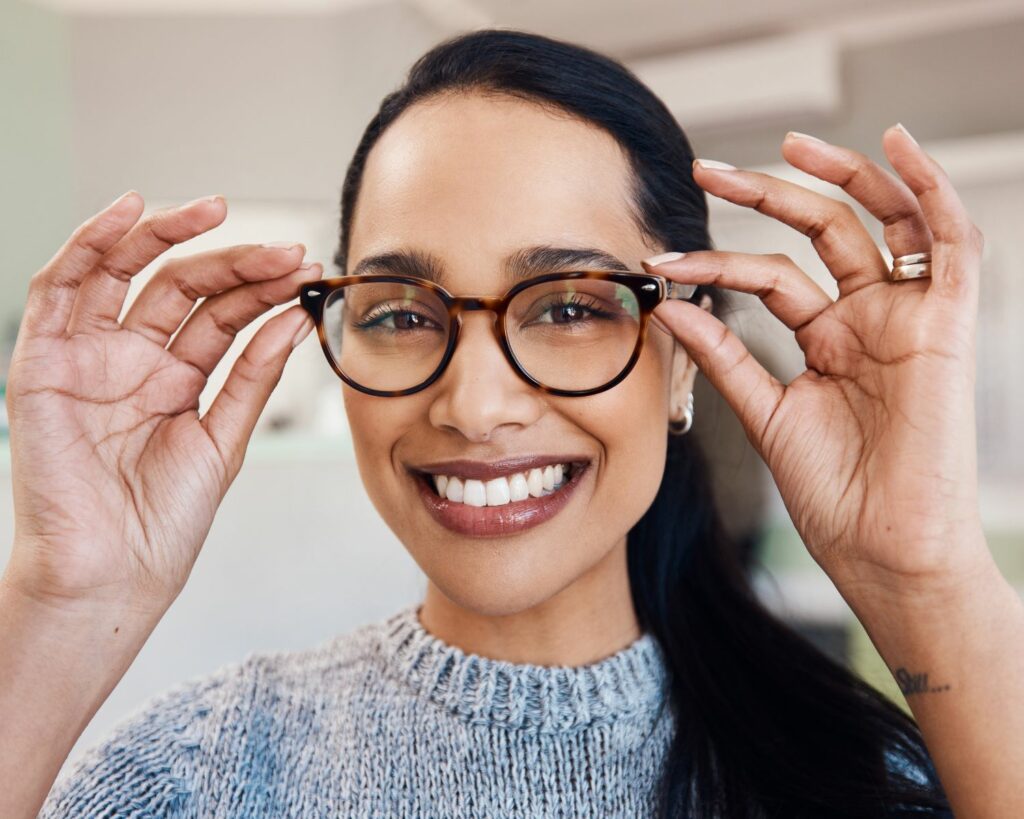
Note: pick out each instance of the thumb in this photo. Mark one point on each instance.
(751, 391)
(233, 414)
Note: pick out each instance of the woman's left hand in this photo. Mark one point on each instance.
(873, 447)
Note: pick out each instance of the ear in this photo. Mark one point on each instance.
(684, 373)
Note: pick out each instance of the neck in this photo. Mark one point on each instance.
(588, 620)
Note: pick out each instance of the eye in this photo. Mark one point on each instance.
(384, 317)
(570, 309)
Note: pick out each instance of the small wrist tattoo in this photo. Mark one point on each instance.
(916, 683)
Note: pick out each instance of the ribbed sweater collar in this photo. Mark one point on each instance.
(548, 699)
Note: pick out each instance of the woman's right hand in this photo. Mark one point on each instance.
(116, 477)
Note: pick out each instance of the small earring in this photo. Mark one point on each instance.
(682, 427)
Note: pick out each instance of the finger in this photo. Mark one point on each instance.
(790, 294)
(170, 295)
(883, 194)
(52, 291)
(751, 391)
(212, 328)
(958, 243)
(838, 236)
(102, 293)
(232, 416)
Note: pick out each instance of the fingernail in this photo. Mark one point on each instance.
(672, 256)
(281, 245)
(714, 165)
(909, 135)
(799, 135)
(308, 265)
(122, 199)
(206, 199)
(307, 325)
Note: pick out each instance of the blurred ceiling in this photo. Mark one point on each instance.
(737, 74)
(623, 28)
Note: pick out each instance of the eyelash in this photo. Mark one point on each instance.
(576, 301)
(379, 314)
(372, 319)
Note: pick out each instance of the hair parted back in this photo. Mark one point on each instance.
(766, 724)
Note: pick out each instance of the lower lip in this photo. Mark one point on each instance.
(489, 521)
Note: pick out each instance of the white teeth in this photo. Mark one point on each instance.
(473, 493)
(507, 489)
(454, 490)
(535, 481)
(498, 492)
(518, 487)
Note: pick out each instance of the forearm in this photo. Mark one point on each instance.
(57, 667)
(956, 649)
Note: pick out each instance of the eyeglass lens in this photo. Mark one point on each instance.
(570, 334)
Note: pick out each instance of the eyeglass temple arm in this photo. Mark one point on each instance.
(677, 290)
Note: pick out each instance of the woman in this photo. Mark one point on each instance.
(587, 645)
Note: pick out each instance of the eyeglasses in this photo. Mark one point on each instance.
(572, 333)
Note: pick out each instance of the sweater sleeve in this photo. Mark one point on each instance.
(147, 765)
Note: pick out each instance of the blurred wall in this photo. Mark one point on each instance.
(36, 208)
(264, 108)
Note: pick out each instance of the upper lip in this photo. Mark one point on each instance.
(486, 470)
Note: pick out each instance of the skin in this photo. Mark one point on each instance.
(117, 478)
(471, 179)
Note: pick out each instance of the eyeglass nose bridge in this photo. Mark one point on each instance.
(467, 304)
(457, 305)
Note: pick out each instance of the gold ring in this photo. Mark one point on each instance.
(911, 266)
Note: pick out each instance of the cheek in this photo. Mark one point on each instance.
(631, 423)
(377, 424)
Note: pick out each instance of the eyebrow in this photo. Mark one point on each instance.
(521, 264)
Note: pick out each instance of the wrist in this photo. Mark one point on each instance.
(55, 601)
(923, 611)
(92, 628)
(922, 574)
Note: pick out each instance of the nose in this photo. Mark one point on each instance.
(479, 392)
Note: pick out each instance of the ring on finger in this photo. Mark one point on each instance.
(911, 266)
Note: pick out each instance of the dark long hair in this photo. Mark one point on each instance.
(767, 724)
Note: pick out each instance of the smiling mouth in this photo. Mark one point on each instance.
(487, 508)
(511, 489)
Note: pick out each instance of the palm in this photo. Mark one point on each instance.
(853, 439)
(125, 478)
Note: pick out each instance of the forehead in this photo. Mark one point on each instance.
(471, 179)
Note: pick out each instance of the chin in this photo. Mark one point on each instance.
(503, 577)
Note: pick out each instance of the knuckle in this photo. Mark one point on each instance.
(43, 281)
(176, 274)
(843, 211)
(113, 269)
(223, 324)
(82, 238)
(158, 225)
(721, 343)
(37, 280)
(247, 368)
(859, 165)
(782, 259)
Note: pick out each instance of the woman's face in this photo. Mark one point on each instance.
(468, 180)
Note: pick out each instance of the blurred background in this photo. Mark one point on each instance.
(264, 102)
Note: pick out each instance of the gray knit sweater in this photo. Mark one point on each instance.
(387, 721)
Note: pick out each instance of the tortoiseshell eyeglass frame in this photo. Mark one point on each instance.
(650, 290)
